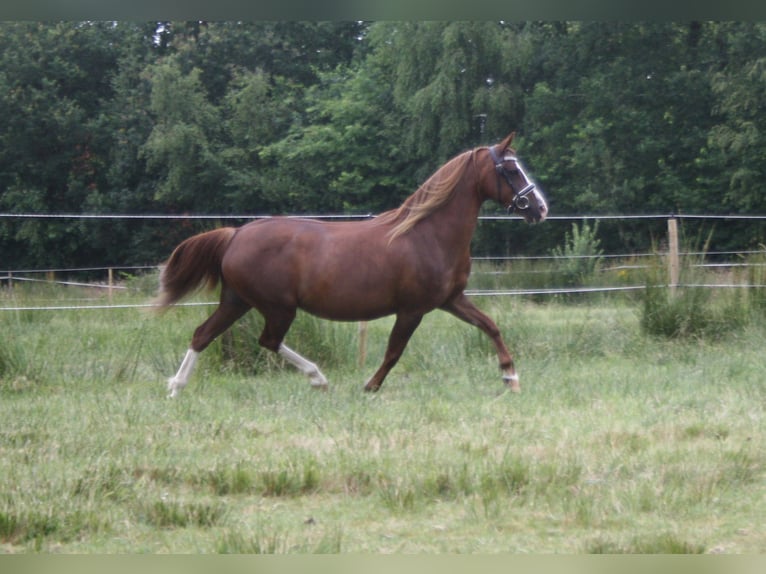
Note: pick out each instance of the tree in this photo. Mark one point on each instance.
(625, 125)
(182, 146)
(275, 117)
(740, 133)
(452, 81)
(53, 79)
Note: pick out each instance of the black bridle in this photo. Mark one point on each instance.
(520, 201)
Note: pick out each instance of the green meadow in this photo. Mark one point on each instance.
(620, 441)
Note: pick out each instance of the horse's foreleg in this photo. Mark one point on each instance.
(404, 327)
(463, 309)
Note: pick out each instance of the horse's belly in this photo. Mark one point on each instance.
(351, 298)
(346, 313)
(341, 303)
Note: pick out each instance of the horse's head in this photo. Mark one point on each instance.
(515, 190)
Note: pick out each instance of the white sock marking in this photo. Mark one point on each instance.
(305, 366)
(512, 381)
(181, 379)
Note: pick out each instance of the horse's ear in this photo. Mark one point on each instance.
(506, 143)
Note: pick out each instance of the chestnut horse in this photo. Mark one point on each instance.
(406, 262)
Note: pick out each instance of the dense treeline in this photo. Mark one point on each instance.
(296, 117)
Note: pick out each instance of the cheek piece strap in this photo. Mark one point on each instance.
(520, 201)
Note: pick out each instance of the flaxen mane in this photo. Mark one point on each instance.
(429, 197)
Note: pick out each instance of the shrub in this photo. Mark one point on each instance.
(581, 255)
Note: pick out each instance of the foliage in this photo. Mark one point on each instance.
(581, 254)
(307, 117)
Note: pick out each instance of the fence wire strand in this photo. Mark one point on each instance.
(469, 292)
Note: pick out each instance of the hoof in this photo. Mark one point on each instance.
(173, 388)
(318, 381)
(512, 382)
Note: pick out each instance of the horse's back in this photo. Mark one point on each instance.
(302, 243)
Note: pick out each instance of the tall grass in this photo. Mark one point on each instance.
(329, 343)
(756, 276)
(692, 310)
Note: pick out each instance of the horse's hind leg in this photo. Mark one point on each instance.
(316, 378)
(274, 331)
(181, 378)
(229, 310)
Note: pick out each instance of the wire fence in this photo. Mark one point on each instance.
(350, 216)
(622, 261)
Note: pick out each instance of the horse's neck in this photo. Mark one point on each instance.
(454, 223)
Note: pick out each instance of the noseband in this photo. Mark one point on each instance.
(520, 201)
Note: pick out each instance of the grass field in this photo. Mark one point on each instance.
(617, 443)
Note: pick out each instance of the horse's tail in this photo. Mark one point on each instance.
(196, 260)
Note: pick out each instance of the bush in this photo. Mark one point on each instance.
(581, 254)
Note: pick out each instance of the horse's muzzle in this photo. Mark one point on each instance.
(530, 204)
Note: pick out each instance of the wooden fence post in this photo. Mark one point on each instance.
(362, 343)
(673, 258)
(111, 283)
